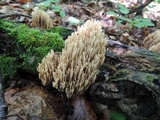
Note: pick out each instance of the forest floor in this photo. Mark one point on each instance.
(123, 28)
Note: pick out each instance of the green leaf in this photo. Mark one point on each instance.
(125, 19)
(56, 10)
(139, 25)
(112, 13)
(142, 22)
(123, 9)
(149, 24)
(56, 7)
(119, 22)
(46, 3)
(56, 1)
(62, 14)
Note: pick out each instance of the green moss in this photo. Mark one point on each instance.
(36, 44)
(8, 67)
(31, 45)
(34, 38)
(64, 32)
(149, 78)
(6, 26)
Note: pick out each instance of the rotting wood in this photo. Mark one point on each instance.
(131, 83)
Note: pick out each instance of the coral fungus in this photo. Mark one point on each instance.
(75, 69)
(41, 19)
(152, 41)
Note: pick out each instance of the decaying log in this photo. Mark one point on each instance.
(129, 81)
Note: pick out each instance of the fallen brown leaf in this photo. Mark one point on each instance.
(24, 1)
(82, 110)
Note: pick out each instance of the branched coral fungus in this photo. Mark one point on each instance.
(47, 67)
(41, 19)
(75, 69)
(152, 41)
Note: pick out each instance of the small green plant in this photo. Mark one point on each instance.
(53, 5)
(137, 22)
(59, 10)
(123, 9)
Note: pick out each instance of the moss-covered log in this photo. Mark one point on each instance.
(25, 46)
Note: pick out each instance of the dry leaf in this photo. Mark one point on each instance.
(8, 95)
(24, 1)
(57, 21)
(82, 110)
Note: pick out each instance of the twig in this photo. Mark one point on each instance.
(13, 14)
(12, 115)
(138, 9)
(119, 44)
